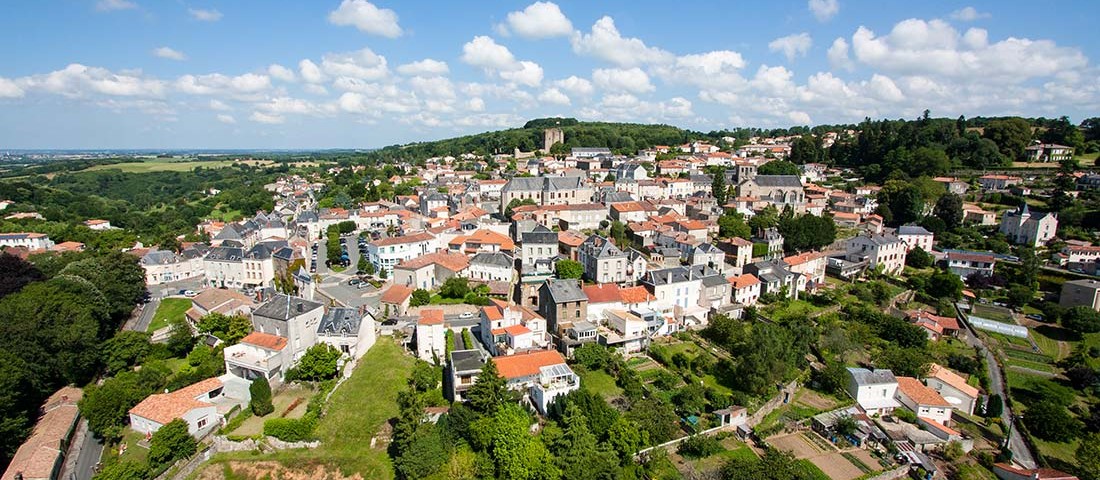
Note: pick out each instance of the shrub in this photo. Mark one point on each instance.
(171, 442)
(261, 397)
(291, 430)
(700, 446)
(905, 415)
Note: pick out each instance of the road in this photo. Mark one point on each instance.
(91, 451)
(1020, 453)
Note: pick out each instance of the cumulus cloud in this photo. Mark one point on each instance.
(475, 104)
(968, 14)
(362, 64)
(282, 73)
(539, 20)
(823, 10)
(622, 80)
(575, 85)
(794, 45)
(426, 66)
(169, 53)
(10, 89)
(219, 84)
(203, 15)
(553, 96)
(112, 5)
(216, 104)
(438, 87)
(627, 107)
(717, 69)
(528, 74)
(224, 118)
(606, 43)
(269, 119)
(838, 55)
(366, 17)
(486, 53)
(310, 71)
(77, 80)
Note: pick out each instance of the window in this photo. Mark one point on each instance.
(202, 422)
(578, 314)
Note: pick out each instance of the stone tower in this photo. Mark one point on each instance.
(550, 136)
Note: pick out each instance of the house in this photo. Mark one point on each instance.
(163, 266)
(217, 300)
(506, 329)
(923, 401)
(935, 326)
(258, 355)
(482, 240)
(1005, 471)
(914, 236)
(873, 390)
(630, 171)
(603, 261)
(973, 214)
(547, 190)
(194, 404)
(590, 152)
(98, 224)
(998, 183)
(29, 240)
(709, 255)
(601, 297)
(395, 300)
(878, 249)
(953, 185)
(778, 190)
(347, 330)
(745, 289)
(292, 317)
(430, 271)
(1023, 227)
(739, 250)
(431, 341)
(629, 330)
(542, 376)
(678, 290)
(568, 244)
(810, 265)
(775, 278)
(463, 368)
(491, 267)
(773, 239)
(953, 388)
(1081, 293)
(387, 252)
(965, 264)
(627, 212)
(223, 267)
(41, 456)
(562, 302)
(538, 249)
(1048, 152)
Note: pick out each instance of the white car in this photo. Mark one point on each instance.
(466, 315)
(189, 293)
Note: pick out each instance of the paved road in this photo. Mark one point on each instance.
(1020, 453)
(90, 452)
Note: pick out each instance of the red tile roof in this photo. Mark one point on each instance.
(165, 407)
(396, 294)
(527, 364)
(921, 394)
(517, 330)
(951, 378)
(634, 295)
(743, 281)
(265, 340)
(416, 237)
(603, 293)
(454, 262)
(431, 316)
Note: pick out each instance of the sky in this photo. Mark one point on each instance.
(99, 74)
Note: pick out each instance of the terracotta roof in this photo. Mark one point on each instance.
(37, 457)
(454, 262)
(527, 364)
(603, 293)
(920, 394)
(486, 237)
(430, 316)
(165, 407)
(265, 340)
(416, 237)
(634, 295)
(739, 242)
(570, 238)
(693, 225)
(743, 281)
(949, 323)
(801, 258)
(396, 294)
(939, 426)
(627, 207)
(493, 312)
(516, 330)
(970, 257)
(951, 378)
(212, 298)
(1036, 473)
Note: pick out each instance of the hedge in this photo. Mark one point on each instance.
(290, 429)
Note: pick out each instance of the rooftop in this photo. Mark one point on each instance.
(919, 393)
(285, 307)
(165, 407)
(565, 290)
(527, 364)
(864, 376)
(265, 340)
(430, 316)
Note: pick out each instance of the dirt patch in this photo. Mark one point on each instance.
(865, 457)
(797, 444)
(832, 463)
(815, 400)
(257, 470)
(837, 467)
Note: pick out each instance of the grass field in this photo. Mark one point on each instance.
(995, 313)
(600, 382)
(172, 165)
(169, 309)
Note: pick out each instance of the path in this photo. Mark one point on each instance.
(1020, 452)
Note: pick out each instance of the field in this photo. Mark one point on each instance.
(995, 313)
(282, 400)
(600, 382)
(173, 165)
(831, 463)
(169, 309)
(357, 411)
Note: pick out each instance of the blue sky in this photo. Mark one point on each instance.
(353, 73)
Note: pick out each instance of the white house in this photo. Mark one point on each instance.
(387, 252)
(874, 390)
(431, 340)
(923, 401)
(878, 249)
(953, 388)
(1023, 227)
(542, 375)
(295, 318)
(29, 240)
(495, 267)
(347, 330)
(258, 355)
(194, 404)
(914, 236)
(745, 289)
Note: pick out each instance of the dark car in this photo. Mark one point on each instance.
(389, 322)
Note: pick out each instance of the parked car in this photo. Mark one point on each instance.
(466, 315)
(389, 322)
(189, 293)
(1036, 317)
(354, 282)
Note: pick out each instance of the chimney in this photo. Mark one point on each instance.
(301, 307)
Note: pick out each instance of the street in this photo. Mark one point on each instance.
(334, 284)
(156, 293)
(1020, 453)
(91, 450)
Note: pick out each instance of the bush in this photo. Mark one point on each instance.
(700, 446)
(260, 391)
(170, 443)
(420, 297)
(905, 415)
(290, 429)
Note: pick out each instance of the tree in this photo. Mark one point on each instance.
(1088, 456)
(508, 210)
(779, 167)
(455, 287)
(1019, 295)
(180, 340)
(320, 362)
(1012, 135)
(105, 406)
(260, 393)
(117, 275)
(569, 269)
(15, 273)
(718, 187)
(944, 284)
(625, 437)
(1061, 131)
(949, 209)
(382, 273)
(228, 328)
(515, 453)
(420, 297)
(807, 232)
(424, 376)
(618, 233)
(918, 258)
(489, 391)
(904, 201)
(1081, 319)
(362, 265)
(910, 362)
(995, 406)
(579, 456)
(655, 417)
(807, 149)
(171, 442)
(124, 470)
(124, 350)
(732, 224)
(1051, 421)
(592, 356)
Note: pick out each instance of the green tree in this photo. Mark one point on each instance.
(1088, 456)
(515, 453)
(1051, 421)
(944, 284)
(124, 470)
(180, 339)
(171, 442)
(117, 276)
(779, 167)
(229, 328)
(1061, 131)
(260, 392)
(807, 149)
(1019, 295)
(569, 269)
(382, 273)
(1011, 135)
(106, 406)
(592, 356)
(320, 362)
(455, 287)
(949, 209)
(655, 417)
(1081, 319)
(994, 406)
(420, 297)
(909, 362)
(424, 376)
(718, 187)
(918, 258)
(489, 391)
(508, 210)
(15, 273)
(626, 438)
(732, 224)
(126, 349)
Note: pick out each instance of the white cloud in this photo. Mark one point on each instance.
(261, 117)
(475, 104)
(77, 80)
(169, 53)
(553, 96)
(10, 89)
(282, 73)
(968, 14)
(203, 15)
(717, 69)
(622, 80)
(437, 87)
(315, 89)
(882, 88)
(838, 55)
(823, 10)
(627, 107)
(606, 43)
(799, 118)
(486, 53)
(310, 71)
(426, 66)
(367, 18)
(528, 73)
(284, 105)
(219, 84)
(111, 5)
(226, 118)
(538, 20)
(363, 64)
(219, 105)
(794, 45)
(575, 85)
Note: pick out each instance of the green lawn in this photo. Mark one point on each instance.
(169, 309)
(355, 413)
(993, 312)
(599, 382)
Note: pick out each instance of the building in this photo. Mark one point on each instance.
(387, 252)
(430, 271)
(953, 388)
(778, 190)
(295, 318)
(1005, 471)
(506, 329)
(217, 300)
(98, 224)
(923, 401)
(1048, 152)
(223, 267)
(538, 249)
(773, 239)
(547, 190)
(163, 266)
(998, 183)
(776, 278)
(561, 303)
(965, 264)
(542, 376)
(745, 289)
(347, 330)
(589, 152)
(878, 249)
(431, 340)
(914, 236)
(462, 371)
(740, 251)
(1081, 293)
(194, 404)
(395, 300)
(874, 390)
(491, 267)
(29, 240)
(810, 265)
(603, 261)
(550, 136)
(258, 355)
(1023, 227)
(973, 214)
(41, 456)
(709, 255)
